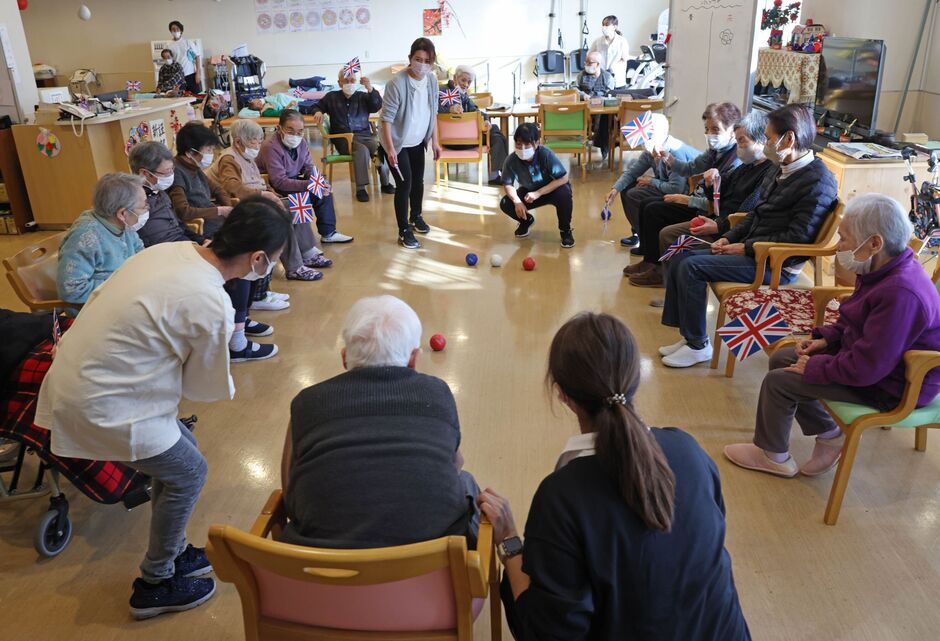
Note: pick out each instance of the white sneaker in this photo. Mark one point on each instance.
(685, 356)
(666, 350)
(278, 295)
(270, 304)
(336, 237)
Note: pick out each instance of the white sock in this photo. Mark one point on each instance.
(238, 341)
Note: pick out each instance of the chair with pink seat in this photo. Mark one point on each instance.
(429, 591)
(463, 130)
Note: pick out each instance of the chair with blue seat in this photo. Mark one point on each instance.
(564, 130)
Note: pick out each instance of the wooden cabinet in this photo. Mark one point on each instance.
(11, 175)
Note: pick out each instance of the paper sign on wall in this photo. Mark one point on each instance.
(8, 53)
(272, 16)
(158, 131)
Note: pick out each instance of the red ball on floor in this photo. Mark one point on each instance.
(438, 343)
(528, 264)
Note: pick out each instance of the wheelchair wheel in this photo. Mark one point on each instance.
(50, 540)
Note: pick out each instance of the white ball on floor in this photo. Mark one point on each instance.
(496, 260)
(84, 13)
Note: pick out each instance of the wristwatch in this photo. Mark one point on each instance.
(509, 548)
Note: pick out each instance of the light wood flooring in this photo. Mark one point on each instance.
(873, 577)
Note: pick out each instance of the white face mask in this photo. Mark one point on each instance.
(250, 153)
(176, 34)
(526, 153)
(349, 89)
(168, 61)
(163, 182)
(716, 141)
(206, 160)
(291, 141)
(772, 152)
(609, 30)
(420, 69)
(141, 221)
(591, 69)
(848, 261)
(750, 155)
(253, 275)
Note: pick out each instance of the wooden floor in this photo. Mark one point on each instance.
(875, 576)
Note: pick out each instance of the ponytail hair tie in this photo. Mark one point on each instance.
(616, 399)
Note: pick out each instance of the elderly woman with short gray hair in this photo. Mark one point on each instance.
(236, 170)
(859, 359)
(102, 238)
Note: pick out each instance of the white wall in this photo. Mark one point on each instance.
(26, 93)
(115, 41)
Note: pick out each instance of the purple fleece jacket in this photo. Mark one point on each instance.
(893, 309)
(283, 172)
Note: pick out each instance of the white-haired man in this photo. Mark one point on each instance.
(348, 110)
(371, 457)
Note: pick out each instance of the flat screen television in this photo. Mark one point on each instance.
(850, 72)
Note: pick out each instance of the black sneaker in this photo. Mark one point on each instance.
(567, 239)
(175, 594)
(362, 195)
(192, 562)
(253, 352)
(254, 328)
(630, 241)
(407, 240)
(420, 226)
(636, 251)
(388, 189)
(523, 229)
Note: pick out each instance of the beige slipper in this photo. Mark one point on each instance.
(751, 457)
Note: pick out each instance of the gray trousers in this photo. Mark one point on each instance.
(786, 395)
(299, 246)
(177, 477)
(364, 147)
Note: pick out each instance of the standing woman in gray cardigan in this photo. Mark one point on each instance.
(408, 123)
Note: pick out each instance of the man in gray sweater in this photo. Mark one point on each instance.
(372, 456)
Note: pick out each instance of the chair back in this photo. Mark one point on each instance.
(557, 96)
(550, 62)
(460, 129)
(32, 273)
(563, 119)
(827, 232)
(631, 109)
(482, 99)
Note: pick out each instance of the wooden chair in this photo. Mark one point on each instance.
(565, 130)
(776, 254)
(482, 99)
(628, 110)
(330, 159)
(429, 591)
(557, 96)
(32, 273)
(460, 129)
(196, 225)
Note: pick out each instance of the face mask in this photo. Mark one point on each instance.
(420, 69)
(349, 89)
(610, 31)
(591, 69)
(750, 155)
(253, 275)
(206, 160)
(526, 153)
(772, 152)
(291, 141)
(163, 182)
(716, 141)
(168, 62)
(176, 34)
(848, 261)
(250, 153)
(141, 221)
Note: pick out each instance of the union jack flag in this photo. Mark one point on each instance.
(450, 97)
(756, 329)
(297, 92)
(319, 186)
(683, 243)
(56, 329)
(639, 130)
(132, 85)
(300, 208)
(351, 68)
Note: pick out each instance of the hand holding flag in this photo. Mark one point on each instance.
(319, 186)
(352, 67)
(683, 243)
(639, 130)
(754, 330)
(450, 97)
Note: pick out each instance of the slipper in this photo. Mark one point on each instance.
(304, 273)
(826, 455)
(751, 457)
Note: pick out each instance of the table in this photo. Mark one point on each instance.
(60, 186)
(798, 72)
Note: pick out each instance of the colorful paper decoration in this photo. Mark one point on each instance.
(48, 143)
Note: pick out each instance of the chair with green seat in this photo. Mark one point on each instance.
(565, 130)
(331, 155)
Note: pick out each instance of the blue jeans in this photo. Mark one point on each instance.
(687, 278)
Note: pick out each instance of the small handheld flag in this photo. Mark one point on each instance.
(450, 97)
(716, 193)
(319, 186)
(132, 85)
(683, 243)
(639, 130)
(352, 67)
(297, 92)
(300, 208)
(56, 330)
(754, 330)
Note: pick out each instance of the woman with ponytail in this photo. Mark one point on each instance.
(625, 539)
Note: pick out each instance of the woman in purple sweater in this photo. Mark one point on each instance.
(895, 308)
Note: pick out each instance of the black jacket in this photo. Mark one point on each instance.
(163, 226)
(790, 211)
(349, 115)
(741, 190)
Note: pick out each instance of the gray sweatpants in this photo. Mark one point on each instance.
(299, 247)
(364, 147)
(177, 478)
(786, 395)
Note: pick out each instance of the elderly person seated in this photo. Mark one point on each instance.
(348, 111)
(797, 197)
(285, 157)
(153, 162)
(596, 82)
(498, 146)
(859, 359)
(372, 457)
(170, 80)
(193, 195)
(102, 238)
(638, 188)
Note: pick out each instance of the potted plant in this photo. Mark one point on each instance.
(776, 18)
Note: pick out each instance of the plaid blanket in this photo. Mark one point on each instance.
(101, 481)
